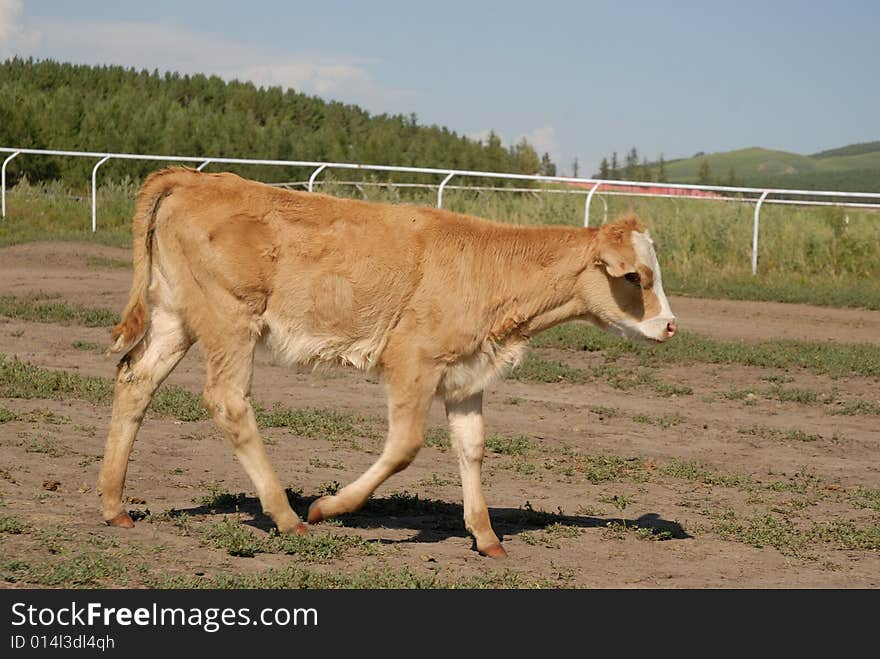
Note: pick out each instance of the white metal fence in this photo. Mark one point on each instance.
(590, 186)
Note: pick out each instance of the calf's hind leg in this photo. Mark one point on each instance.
(138, 376)
(227, 396)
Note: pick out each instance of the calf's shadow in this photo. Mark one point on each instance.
(433, 520)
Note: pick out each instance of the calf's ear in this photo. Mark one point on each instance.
(617, 256)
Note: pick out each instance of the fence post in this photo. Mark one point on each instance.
(755, 235)
(203, 165)
(95, 193)
(440, 189)
(3, 176)
(314, 175)
(589, 201)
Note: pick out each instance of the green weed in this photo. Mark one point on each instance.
(518, 445)
(43, 309)
(11, 525)
(776, 434)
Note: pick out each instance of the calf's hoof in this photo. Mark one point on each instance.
(494, 550)
(315, 513)
(122, 520)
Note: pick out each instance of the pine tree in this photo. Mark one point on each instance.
(548, 167)
(615, 167)
(604, 169)
(575, 168)
(704, 176)
(731, 177)
(662, 176)
(645, 173)
(630, 171)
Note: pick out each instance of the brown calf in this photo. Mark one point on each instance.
(439, 303)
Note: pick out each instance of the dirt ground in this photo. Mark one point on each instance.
(785, 515)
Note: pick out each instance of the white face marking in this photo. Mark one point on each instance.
(653, 327)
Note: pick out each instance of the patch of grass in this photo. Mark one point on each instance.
(106, 262)
(550, 535)
(761, 531)
(835, 359)
(436, 480)
(87, 460)
(866, 497)
(318, 463)
(234, 538)
(857, 407)
(794, 395)
(314, 423)
(22, 380)
(84, 345)
(605, 412)
(771, 287)
(11, 525)
(521, 467)
(404, 504)
(219, 499)
(178, 403)
(844, 534)
(765, 432)
(694, 471)
(7, 415)
(518, 445)
(36, 308)
(739, 394)
(46, 447)
(620, 529)
(535, 369)
(604, 468)
(780, 533)
(86, 570)
(437, 438)
(45, 416)
(321, 547)
(664, 421)
(329, 488)
(800, 483)
(294, 576)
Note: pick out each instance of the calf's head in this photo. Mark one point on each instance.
(623, 290)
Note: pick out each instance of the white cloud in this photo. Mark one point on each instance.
(155, 46)
(10, 12)
(545, 140)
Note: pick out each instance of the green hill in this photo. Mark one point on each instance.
(51, 105)
(850, 150)
(855, 167)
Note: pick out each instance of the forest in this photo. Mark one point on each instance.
(51, 105)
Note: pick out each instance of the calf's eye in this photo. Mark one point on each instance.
(633, 278)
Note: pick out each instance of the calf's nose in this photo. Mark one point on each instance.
(671, 327)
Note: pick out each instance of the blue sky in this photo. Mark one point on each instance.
(578, 79)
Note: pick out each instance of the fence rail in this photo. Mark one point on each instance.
(588, 186)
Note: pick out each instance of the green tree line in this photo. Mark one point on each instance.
(53, 105)
(632, 168)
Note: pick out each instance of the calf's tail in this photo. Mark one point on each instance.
(136, 316)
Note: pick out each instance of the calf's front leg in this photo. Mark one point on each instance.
(468, 437)
(410, 392)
